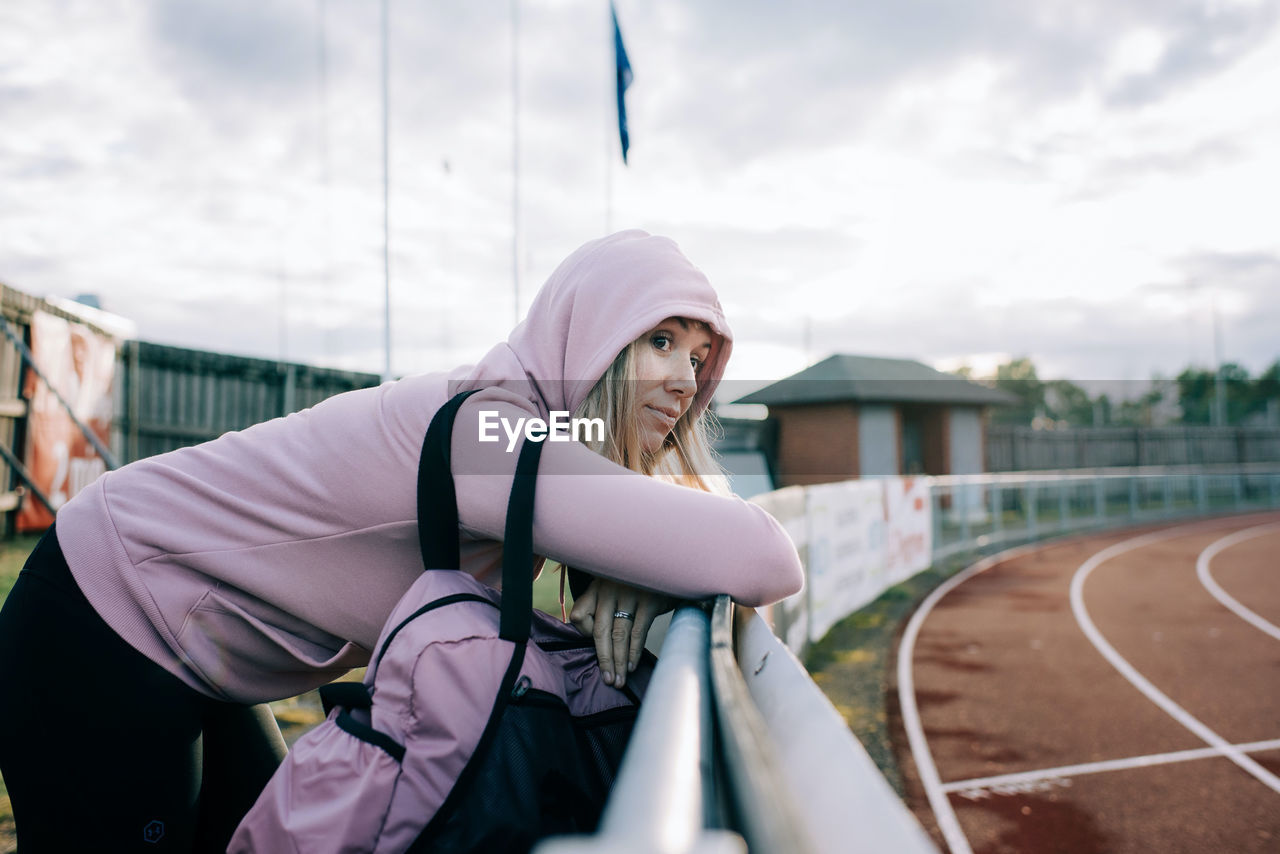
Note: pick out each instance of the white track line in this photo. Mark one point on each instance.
(1135, 678)
(948, 824)
(938, 801)
(1202, 570)
(1147, 761)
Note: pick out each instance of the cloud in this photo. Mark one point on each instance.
(1114, 174)
(1202, 39)
(256, 50)
(1254, 270)
(1066, 337)
(759, 80)
(922, 178)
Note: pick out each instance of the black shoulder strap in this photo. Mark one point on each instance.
(437, 499)
(517, 548)
(438, 519)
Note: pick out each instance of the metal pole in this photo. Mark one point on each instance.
(21, 471)
(1029, 496)
(386, 198)
(515, 158)
(322, 137)
(1219, 392)
(997, 509)
(610, 125)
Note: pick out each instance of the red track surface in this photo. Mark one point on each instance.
(1007, 681)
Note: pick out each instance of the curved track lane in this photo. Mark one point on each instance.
(1098, 694)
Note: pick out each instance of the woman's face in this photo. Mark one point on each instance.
(670, 357)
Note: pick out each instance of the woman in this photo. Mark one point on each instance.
(182, 589)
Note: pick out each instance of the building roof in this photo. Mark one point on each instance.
(873, 379)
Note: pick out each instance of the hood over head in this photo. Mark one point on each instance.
(601, 298)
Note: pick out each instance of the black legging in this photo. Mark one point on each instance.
(103, 750)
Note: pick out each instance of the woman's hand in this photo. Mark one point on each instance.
(619, 639)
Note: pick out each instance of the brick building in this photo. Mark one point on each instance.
(856, 416)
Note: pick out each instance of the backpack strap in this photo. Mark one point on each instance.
(517, 548)
(368, 734)
(438, 519)
(355, 695)
(437, 498)
(349, 695)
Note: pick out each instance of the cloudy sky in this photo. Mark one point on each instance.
(1089, 183)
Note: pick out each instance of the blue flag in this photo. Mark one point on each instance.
(624, 80)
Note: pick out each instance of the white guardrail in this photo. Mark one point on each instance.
(736, 749)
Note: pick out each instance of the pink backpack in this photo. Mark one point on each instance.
(481, 725)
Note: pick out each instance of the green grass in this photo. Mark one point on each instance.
(13, 554)
(851, 663)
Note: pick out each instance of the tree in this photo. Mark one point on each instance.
(1018, 377)
(1195, 395)
(1066, 401)
(1264, 397)
(1189, 398)
(1198, 389)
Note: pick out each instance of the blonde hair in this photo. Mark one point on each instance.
(686, 456)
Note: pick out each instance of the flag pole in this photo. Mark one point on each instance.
(609, 127)
(322, 137)
(622, 79)
(386, 208)
(515, 158)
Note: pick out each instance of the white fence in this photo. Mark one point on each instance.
(858, 538)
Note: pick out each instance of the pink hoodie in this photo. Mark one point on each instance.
(264, 563)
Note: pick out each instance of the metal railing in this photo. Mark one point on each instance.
(665, 798)
(977, 512)
(735, 750)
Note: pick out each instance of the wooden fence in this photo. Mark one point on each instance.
(165, 397)
(1011, 448)
(171, 397)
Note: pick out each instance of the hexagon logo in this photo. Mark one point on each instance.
(153, 832)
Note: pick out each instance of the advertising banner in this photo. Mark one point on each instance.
(909, 527)
(856, 539)
(80, 364)
(846, 550)
(790, 617)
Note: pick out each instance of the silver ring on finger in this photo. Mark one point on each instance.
(623, 615)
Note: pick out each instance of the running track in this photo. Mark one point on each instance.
(1109, 693)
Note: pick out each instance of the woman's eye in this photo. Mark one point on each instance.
(661, 342)
(696, 362)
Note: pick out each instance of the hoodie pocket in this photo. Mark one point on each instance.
(251, 652)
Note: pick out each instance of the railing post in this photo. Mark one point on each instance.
(935, 510)
(997, 508)
(133, 398)
(1099, 499)
(962, 505)
(1202, 495)
(1029, 494)
(1133, 497)
(1062, 505)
